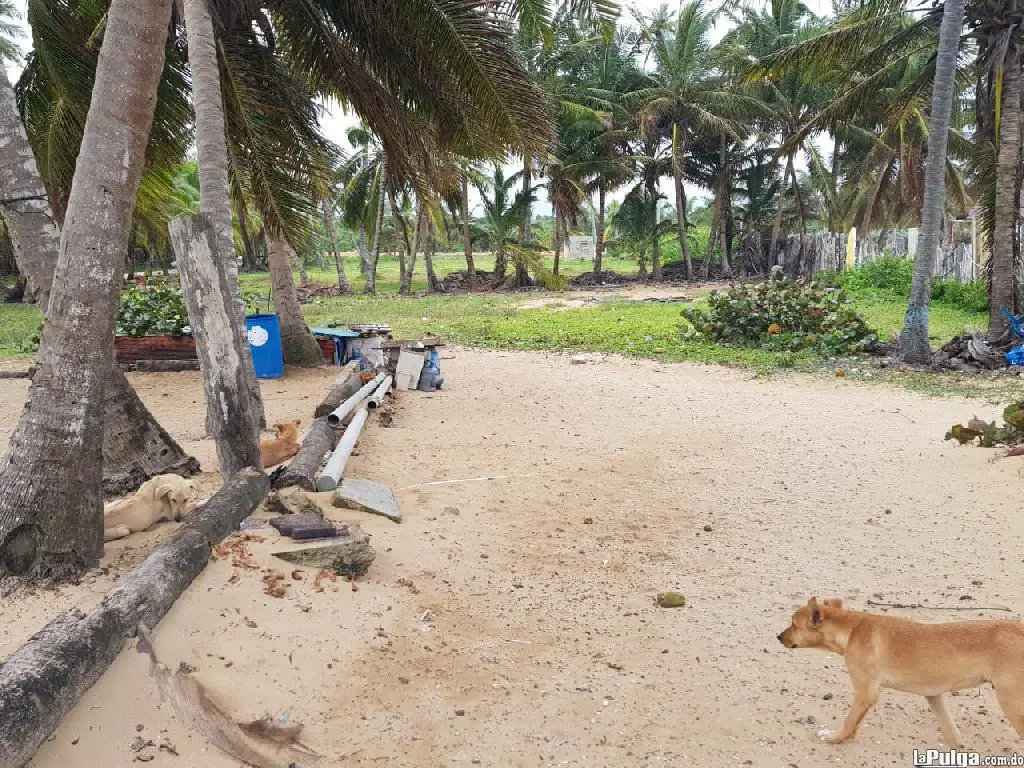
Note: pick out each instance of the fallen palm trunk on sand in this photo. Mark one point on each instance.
(347, 384)
(41, 681)
(261, 743)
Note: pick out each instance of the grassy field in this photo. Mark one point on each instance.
(495, 320)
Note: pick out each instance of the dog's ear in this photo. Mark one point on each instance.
(834, 602)
(298, 422)
(278, 426)
(814, 610)
(163, 490)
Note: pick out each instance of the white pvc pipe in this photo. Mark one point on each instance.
(334, 418)
(374, 400)
(336, 464)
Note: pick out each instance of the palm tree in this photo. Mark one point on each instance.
(504, 211)
(51, 500)
(135, 446)
(637, 225)
(913, 342)
(687, 97)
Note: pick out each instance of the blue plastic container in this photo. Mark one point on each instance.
(264, 334)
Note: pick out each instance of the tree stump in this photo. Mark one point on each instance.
(231, 411)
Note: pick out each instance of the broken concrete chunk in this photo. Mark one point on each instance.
(304, 527)
(367, 496)
(350, 554)
(292, 501)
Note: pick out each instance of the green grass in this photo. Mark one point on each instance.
(18, 324)
(497, 321)
(444, 264)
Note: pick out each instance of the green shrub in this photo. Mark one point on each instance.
(886, 274)
(896, 275)
(156, 309)
(781, 314)
(970, 297)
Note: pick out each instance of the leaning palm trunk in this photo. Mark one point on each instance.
(433, 284)
(913, 343)
(677, 175)
(371, 262)
(406, 285)
(339, 263)
(135, 446)
(1004, 233)
(51, 498)
(214, 188)
(300, 348)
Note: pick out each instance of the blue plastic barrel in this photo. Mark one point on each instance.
(264, 333)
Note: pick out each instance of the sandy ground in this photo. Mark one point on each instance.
(584, 297)
(531, 608)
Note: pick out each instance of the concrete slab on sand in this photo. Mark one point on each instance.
(367, 496)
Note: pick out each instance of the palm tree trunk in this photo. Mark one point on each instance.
(404, 246)
(599, 242)
(876, 188)
(135, 446)
(467, 241)
(723, 216)
(51, 497)
(29, 220)
(249, 254)
(677, 176)
(652, 190)
(378, 224)
(801, 215)
(361, 248)
(214, 186)
(913, 343)
(524, 227)
(773, 243)
(433, 285)
(406, 285)
(298, 344)
(1004, 231)
(339, 264)
(300, 266)
(557, 239)
(712, 237)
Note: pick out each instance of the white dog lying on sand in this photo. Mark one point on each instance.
(160, 497)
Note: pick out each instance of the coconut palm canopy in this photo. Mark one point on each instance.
(422, 76)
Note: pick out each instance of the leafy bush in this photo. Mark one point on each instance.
(156, 309)
(988, 434)
(896, 275)
(781, 314)
(970, 297)
(886, 274)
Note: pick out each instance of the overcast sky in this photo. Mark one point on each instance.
(335, 121)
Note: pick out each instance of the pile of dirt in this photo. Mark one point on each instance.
(309, 291)
(607, 277)
(675, 271)
(459, 281)
(972, 352)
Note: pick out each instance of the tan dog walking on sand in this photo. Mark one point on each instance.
(927, 659)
